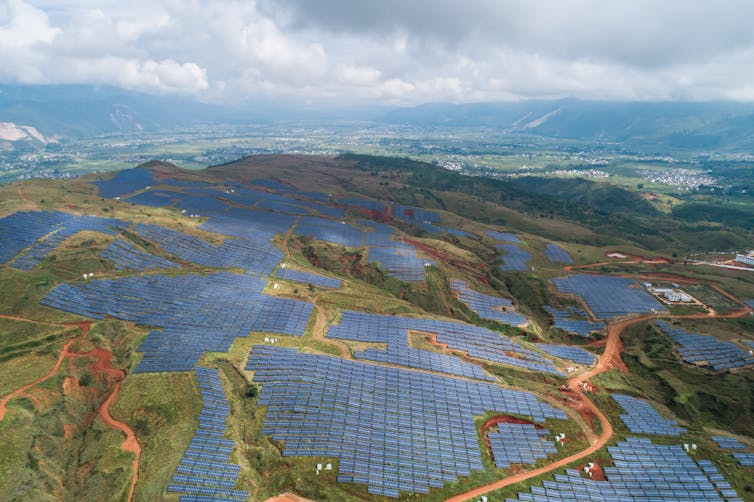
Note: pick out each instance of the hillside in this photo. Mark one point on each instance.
(359, 328)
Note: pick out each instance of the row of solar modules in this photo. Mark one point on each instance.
(400, 260)
(643, 471)
(641, 418)
(391, 428)
(728, 443)
(609, 296)
(126, 255)
(503, 236)
(40, 232)
(555, 253)
(575, 354)
(205, 468)
(478, 342)
(198, 313)
(705, 349)
(745, 459)
(574, 320)
(722, 485)
(252, 255)
(307, 277)
(487, 306)
(514, 258)
(519, 444)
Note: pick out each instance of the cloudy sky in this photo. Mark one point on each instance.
(386, 51)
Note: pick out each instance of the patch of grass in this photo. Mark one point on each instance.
(162, 409)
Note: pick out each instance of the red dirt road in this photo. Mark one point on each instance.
(610, 358)
(102, 365)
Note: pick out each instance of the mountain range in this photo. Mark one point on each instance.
(83, 111)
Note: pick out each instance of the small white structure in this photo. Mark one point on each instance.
(746, 259)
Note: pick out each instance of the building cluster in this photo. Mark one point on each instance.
(672, 295)
(684, 178)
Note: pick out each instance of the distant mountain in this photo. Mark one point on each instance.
(80, 110)
(667, 125)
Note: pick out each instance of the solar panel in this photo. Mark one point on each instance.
(374, 419)
(125, 182)
(643, 471)
(707, 350)
(514, 258)
(575, 354)
(519, 444)
(574, 320)
(306, 277)
(197, 313)
(641, 418)
(125, 254)
(503, 236)
(609, 296)
(555, 253)
(487, 306)
(38, 233)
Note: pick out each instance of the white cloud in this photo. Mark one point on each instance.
(391, 51)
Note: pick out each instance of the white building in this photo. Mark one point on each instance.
(746, 259)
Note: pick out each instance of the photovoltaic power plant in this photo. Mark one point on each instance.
(728, 443)
(125, 182)
(609, 296)
(519, 444)
(329, 230)
(575, 354)
(555, 253)
(392, 429)
(126, 255)
(745, 459)
(641, 418)
(477, 342)
(205, 471)
(514, 258)
(487, 306)
(252, 255)
(307, 278)
(503, 236)
(197, 313)
(643, 471)
(35, 234)
(574, 320)
(393, 331)
(707, 350)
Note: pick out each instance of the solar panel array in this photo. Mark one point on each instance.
(728, 443)
(745, 459)
(643, 471)
(641, 418)
(393, 429)
(519, 444)
(36, 234)
(400, 260)
(574, 320)
(555, 253)
(307, 277)
(725, 489)
(125, 254)
(575, 354)
(198, 313)
(415, 214)
(369, 205)
(478, 342)
(503, 236)
(329, 230)
(205, 469)
(125, 182)
(514, 258)
(704, 349)
(251, 255)
(609, 296)
(393, 331)
(487, 306)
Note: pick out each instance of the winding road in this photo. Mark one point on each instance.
(610, 358)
